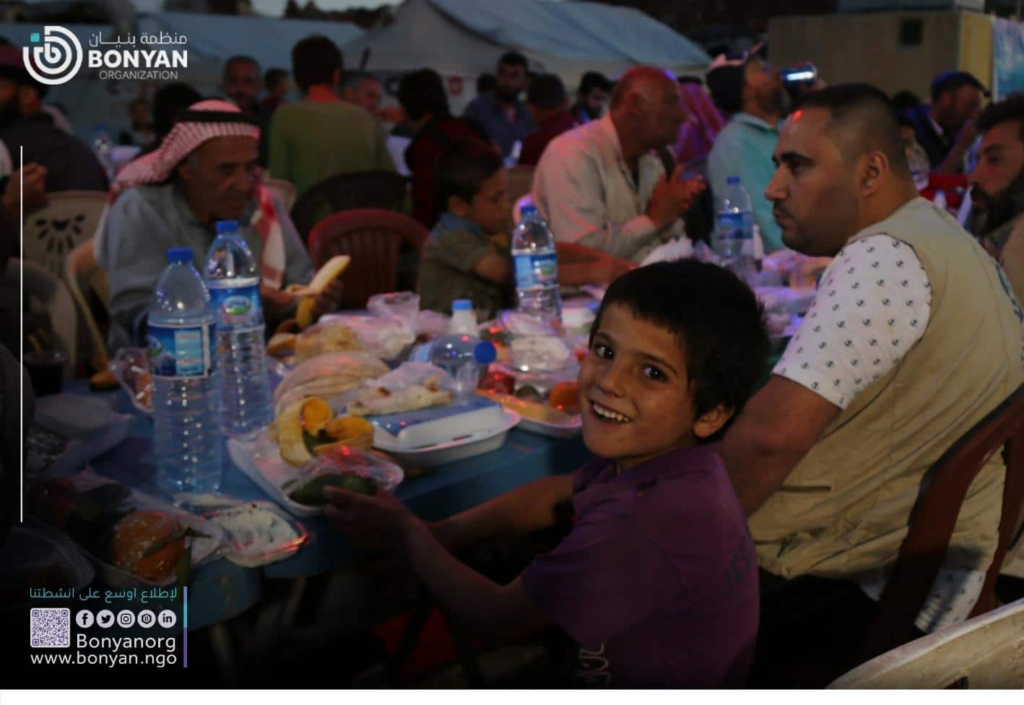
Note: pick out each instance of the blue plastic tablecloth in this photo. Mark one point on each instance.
(223, 590)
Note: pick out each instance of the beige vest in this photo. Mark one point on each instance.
(844, 510)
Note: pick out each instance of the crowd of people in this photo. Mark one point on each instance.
(725, 530)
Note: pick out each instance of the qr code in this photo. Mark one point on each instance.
(51, 628)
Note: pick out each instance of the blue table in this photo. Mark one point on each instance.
(222, 590)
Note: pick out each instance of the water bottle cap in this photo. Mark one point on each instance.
(226, 226)
(462, 305)
(732, 180)
(527, 209)
(485, 353)
(179, 254)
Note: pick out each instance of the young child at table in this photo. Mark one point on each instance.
(467, 255)
(657, 579)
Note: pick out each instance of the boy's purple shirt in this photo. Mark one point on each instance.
(657, 582)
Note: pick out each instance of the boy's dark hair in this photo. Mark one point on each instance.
(273, 77)
(486, 82)
(547, 92)
(463, 167)
(315, 59)
(715, 316)
(513, 58)
(1004, 111)
(861, 119)
(422, 92)
(592, 80)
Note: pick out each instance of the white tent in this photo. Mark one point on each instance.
(461, 39)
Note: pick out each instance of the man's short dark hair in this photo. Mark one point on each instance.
(1012, 108)
(861, 119)
(168, 101)
(716, 318)
(592, 80)
(726, 86)
(240, 59)
(315, 60)
(686, 80)
(547, 92)
(422, 92)
(953, 81)
(463, 167)
(273, 78)
(904, 102)
(513, 58)
(486, 82)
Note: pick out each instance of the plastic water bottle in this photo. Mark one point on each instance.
(234, 283)
(465, 357)
(187, 442)
(463, 318)
(733, 238)
(536, 268)
(101, 146)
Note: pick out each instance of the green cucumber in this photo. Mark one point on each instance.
(312, 493)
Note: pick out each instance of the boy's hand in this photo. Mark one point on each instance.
(380, 522)
(329, 299)
(33, 176)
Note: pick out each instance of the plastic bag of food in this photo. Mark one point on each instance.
(330, 335)
(336, 377)
(347, 468)
(403, 305)
(413, 386)
(431, 325)
(387, 337)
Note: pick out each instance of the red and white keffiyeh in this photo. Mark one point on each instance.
(185, 137)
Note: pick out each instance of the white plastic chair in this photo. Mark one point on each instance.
(81, 273)
(52, 232)
(981, 653)
(283, 191)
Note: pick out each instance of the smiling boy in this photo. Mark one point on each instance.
(657, 580)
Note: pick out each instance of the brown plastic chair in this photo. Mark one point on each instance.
(87, 283)
(374, 240)
(934, 517)
(361, 189)
(520, 182)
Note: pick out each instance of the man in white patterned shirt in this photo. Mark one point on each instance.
(913, 338)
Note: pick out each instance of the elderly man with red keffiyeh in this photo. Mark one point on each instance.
(204, 171)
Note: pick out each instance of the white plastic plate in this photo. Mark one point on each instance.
(458, 449)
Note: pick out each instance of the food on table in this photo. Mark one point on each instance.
(144, 389)
(104, 381)
(378, 401)
(529, 409)
(148, 544)
(530, 393)
(498, 382)
(539, 352)
(329, 376)
(306, 428)
(566, 397)
(282, 344)
(325, 338)
(327, 273)
(256, 529)
(312, 492)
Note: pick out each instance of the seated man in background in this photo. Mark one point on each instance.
(945, 127)
(204, 171)
(547, 102)
(422, 96)
(362, 89)
(468, 255)
(750, 92)
(601, 185)
(591, 97)
(997, 187)
(322, 135)
(70, 164)
(914, 337)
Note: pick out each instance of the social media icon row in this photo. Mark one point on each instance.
(126, 619)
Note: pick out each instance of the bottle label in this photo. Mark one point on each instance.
(536, 270)
(730, 226)
(180, 352)
(236, 306)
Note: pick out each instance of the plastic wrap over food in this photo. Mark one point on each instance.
(431, 324)
(327, 336)
(411, 374)
(345, 467)
(335, 377)
(403, 305)
(387, 337)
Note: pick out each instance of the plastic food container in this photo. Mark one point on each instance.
(258, 533)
